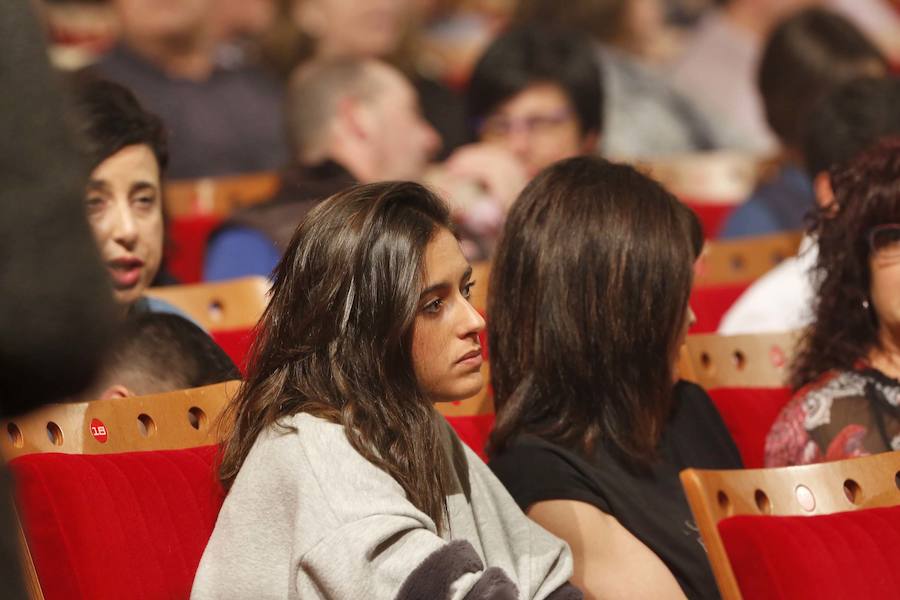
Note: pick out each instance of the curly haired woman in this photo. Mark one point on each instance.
(847, 400)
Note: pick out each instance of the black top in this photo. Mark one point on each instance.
(650, 503)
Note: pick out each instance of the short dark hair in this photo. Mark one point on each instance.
(588, 297)
(806, 55)
(160, 352)
(111, 118)
(604, 20)
(845, 327)
(850, 119)
(530, 55)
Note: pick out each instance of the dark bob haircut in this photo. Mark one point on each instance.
(850, 119)
(845, 326)
(111, 118)
(808, 54)
(530, 55)
(588, 297)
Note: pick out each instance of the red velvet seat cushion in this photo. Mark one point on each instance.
(474, 431)
(838, 556)
(130, 525)
(236, 344)
(711, 215)
(748, 414)
(710, 303)
(187, 246)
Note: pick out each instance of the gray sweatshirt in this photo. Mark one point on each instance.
(309, 517)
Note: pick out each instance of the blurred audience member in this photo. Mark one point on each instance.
(223, 118)
(718, 66)
(807, 55)
(847, 370)
(242, 20)
(537, 93)
(156, 353)
(843, 124)
(129, 153)
(349, 120)
(56, 313)
(311, 30)
(643, 115)
(588, 312)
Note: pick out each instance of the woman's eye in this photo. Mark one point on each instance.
(467, 290)
(145, 201)
(93, 203)
(433, 306)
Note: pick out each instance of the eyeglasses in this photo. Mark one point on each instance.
(884, 241)
(502, 126)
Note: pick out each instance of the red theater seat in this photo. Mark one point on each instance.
(187, 245)
(116, 498)
(749, 413)
(827, 530)
(711, 302)
(711, 215)
(129, 525)
(474, 431)
(236, 344)
(825, 557)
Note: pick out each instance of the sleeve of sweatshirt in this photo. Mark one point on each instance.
(308, 517)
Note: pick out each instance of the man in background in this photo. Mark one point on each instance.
(349, 121)
(224, 117)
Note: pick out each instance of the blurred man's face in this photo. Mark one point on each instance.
(163, 19)
(356, 28)
(539, 126)
(404, 142)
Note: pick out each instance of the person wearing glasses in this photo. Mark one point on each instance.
(537, 93)
(847, 370)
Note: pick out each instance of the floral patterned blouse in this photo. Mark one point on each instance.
(840, 415)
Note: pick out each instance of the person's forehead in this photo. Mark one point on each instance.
(136, 160)
(537, 96)
(444, 261)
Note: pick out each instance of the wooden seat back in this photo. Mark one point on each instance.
(168, 421)
(219, 196)
(115, 428)
(745, 259)
(746, 361)
(818, 489)
(219, 305)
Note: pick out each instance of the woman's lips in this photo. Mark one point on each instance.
(125, 273)
(471, 359)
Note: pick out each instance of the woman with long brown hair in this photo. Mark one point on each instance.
(588, 309)
(343, 481)
(846, 374)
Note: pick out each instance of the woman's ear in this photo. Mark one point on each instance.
(116, 391)
(824, 193)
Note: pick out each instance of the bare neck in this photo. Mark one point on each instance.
(886, 357)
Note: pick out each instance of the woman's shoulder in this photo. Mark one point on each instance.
(152, 304)
(836, 383)
(534, 469)
(309, 435)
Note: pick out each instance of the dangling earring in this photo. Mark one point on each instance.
(865, 304)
